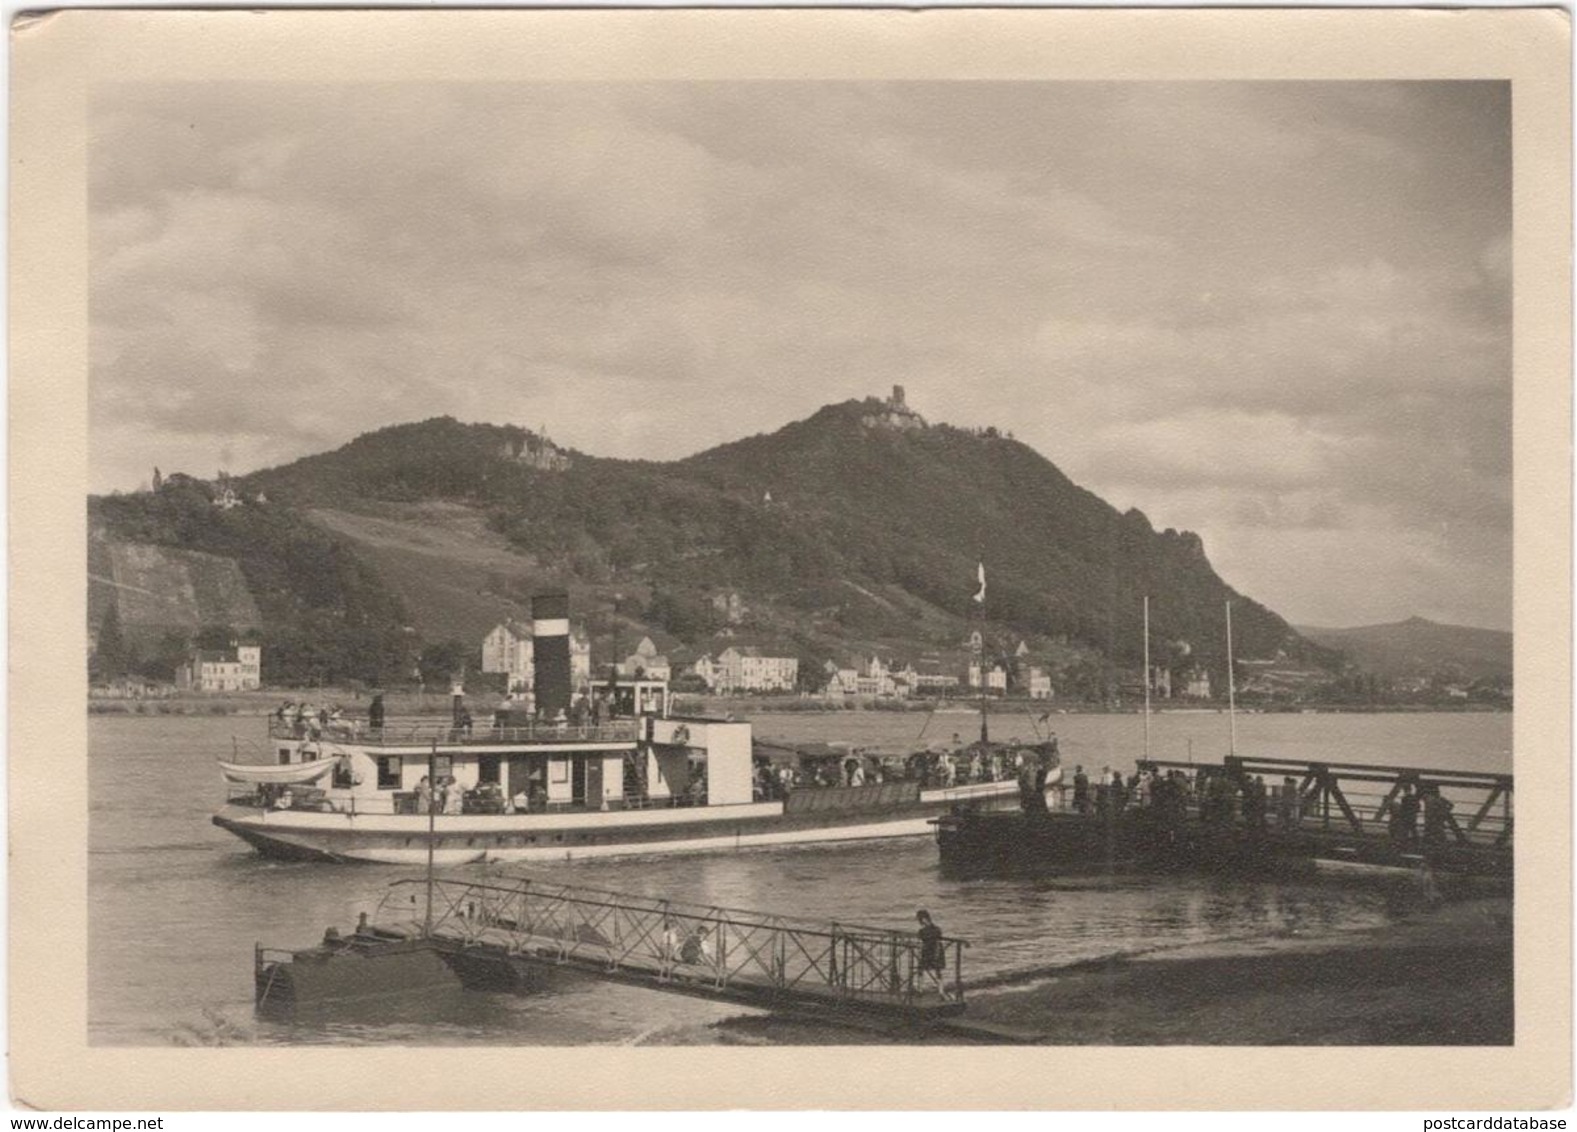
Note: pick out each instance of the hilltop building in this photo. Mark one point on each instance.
(237, 669)
(728, 605)
(535, 451)
(894, 414)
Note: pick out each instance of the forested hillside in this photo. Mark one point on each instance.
(838, 532)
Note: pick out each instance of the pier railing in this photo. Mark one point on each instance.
(1361, 798)
(751, 953)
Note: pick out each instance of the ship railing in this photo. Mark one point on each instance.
(681, 942)
(405, 733)
(315, 799)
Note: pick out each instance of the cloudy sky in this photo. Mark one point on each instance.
(1277, 314)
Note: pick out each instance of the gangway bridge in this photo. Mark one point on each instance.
(1343, 811)
(504, 933)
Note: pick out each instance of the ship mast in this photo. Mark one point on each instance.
(432, 760)
(1146, 677)
(1232, 719)
(980, 657)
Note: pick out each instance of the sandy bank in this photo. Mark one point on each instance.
(1439, 978)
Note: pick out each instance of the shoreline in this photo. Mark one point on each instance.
(1438, 977)
(1441, 977)
(432, 703)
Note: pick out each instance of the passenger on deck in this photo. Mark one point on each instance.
(857, 775)
(424, 796)
(454, 797)
(1081, 790)
(375, 713)
(285, 800)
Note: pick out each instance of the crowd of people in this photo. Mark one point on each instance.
(932, 769)
(1223, 798)
(306, 720)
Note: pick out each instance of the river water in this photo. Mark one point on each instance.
(175, 904)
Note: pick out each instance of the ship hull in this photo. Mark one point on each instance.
(976, 845)
(469, 839)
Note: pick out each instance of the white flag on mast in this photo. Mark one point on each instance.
(981, 596)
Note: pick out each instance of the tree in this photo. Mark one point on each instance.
(438, 663)
(214, 637)
(111, 656)
(168, 656)
(811, 676)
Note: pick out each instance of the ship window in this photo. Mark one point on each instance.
(389, 771)
(284, 756)
(443, 767)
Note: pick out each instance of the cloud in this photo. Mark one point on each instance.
(1275, 313)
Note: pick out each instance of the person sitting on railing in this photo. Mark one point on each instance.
(697, 949)
(667, 950)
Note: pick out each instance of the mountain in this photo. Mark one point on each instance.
(860, 527)
(1418, 647)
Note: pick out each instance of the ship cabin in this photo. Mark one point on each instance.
(615, 747)
(520, 763)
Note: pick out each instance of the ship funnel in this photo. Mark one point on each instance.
(550, 681)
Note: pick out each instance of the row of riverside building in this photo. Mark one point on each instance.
(743, 668)
(506, 650)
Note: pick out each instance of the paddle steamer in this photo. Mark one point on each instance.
(632, 779)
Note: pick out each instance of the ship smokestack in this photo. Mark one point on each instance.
(550, 681)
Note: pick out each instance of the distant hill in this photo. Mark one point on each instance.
(860, 527)
(1418, 647)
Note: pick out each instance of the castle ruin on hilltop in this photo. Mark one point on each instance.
(894, 414)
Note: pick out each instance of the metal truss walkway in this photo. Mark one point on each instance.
(494, 932)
